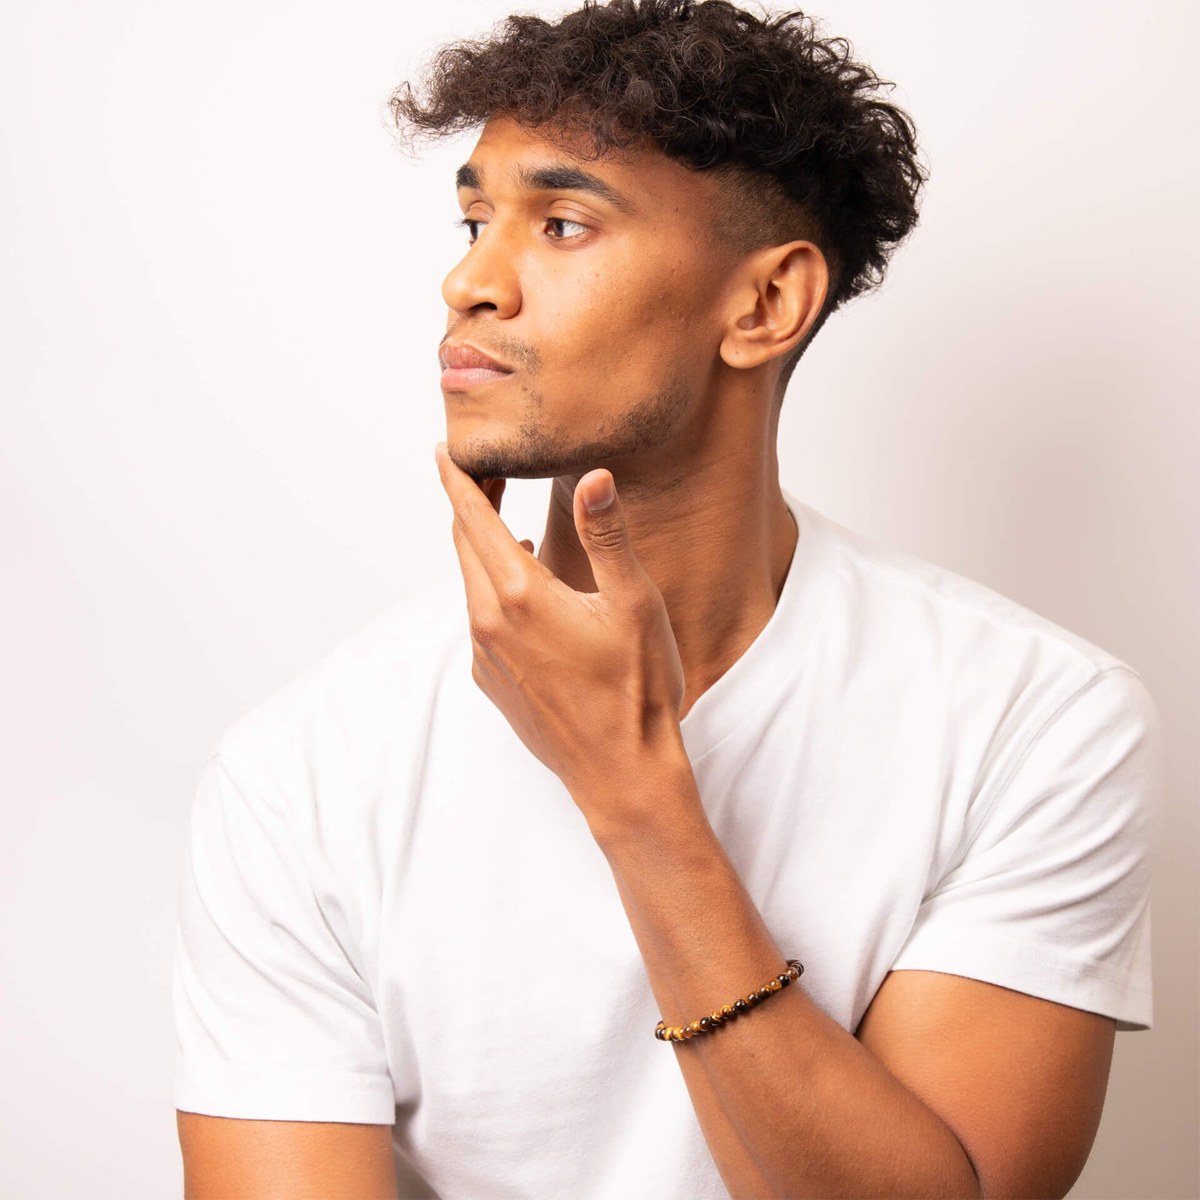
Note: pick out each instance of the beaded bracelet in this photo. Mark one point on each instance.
(727, 1012)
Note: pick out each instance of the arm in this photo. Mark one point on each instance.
(231, 1159)
(281, 1084)
(1002, 1100)
(956, 1088)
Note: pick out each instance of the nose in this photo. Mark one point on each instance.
(486, 274)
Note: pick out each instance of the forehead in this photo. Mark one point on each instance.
(653, 182)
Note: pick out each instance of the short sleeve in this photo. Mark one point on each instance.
(1051, 895)
(272, 1020)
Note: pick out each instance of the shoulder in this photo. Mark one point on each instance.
(940, 633)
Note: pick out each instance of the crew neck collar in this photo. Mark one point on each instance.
(776, 655)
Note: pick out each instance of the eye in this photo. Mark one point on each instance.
(467, 222)
(566, 221)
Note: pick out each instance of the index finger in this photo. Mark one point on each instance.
(503, 558)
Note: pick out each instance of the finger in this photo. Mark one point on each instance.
(600, 523)
(481, 594)
(493, 489)
(495, 548)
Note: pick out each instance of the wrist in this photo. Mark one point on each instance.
(651, 798)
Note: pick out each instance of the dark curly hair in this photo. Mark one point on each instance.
(791, 124)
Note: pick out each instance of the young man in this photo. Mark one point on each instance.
(441, 889)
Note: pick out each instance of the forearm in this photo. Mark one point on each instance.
(813, 1112)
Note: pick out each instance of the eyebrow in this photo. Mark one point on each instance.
(552, 178)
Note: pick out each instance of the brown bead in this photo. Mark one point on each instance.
(704, 1023)
(764, 993)
(716, 1018)
(740, 1005)
(688, 1033)
(697, 1027)
(754, 999)
(728, 1011)
(774, 985)
(784, 979)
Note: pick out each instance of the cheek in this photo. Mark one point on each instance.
(631, 313)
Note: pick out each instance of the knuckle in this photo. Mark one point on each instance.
(485, 627)
(642, 605)
(609, 537)
(513, 593)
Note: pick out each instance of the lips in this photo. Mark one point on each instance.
(465, 357)
(467, 366)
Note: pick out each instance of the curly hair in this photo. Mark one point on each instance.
(804, 147)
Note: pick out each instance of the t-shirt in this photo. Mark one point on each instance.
(391, 912)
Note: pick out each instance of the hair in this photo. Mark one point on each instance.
(793, 127)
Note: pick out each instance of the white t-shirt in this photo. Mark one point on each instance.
(391, 912)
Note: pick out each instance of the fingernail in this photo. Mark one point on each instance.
(599, 495)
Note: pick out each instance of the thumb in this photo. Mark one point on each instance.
(600, 522)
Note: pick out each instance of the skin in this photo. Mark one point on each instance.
(950, 1086)
(684, 416)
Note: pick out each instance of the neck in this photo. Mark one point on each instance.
(717, 539)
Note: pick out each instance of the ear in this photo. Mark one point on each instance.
(775, 303)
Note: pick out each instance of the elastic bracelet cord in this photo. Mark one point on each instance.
(728, 1012)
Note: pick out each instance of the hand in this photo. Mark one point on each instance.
(591, 682)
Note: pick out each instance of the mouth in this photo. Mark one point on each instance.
(457, 379)
(467, 366)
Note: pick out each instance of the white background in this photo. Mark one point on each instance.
(219, 308)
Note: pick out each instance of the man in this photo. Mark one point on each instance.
(442, 889)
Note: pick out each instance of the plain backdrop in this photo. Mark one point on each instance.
(219, 310)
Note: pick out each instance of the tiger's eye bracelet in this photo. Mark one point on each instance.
(728, 1012)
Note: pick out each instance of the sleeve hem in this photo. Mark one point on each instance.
(281, 1094)
(1125, 997)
